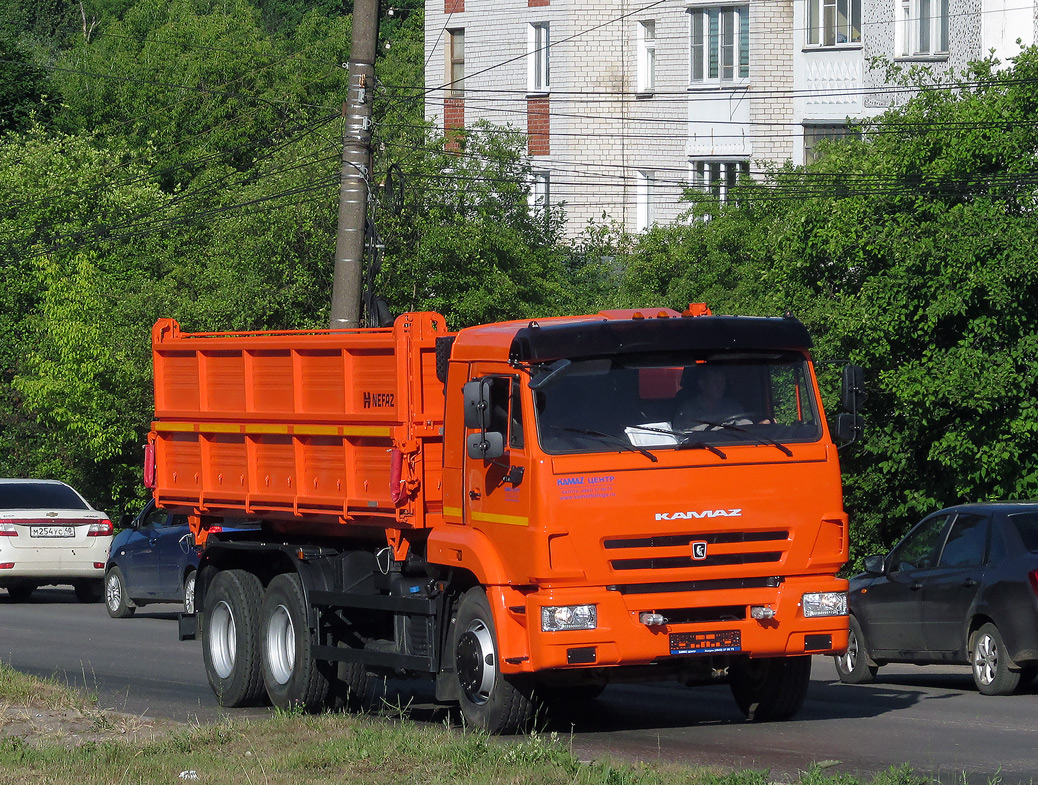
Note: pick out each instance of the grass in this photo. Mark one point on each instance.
(50, 734)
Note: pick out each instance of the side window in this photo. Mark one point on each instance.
(156, 519)
(179, 520)
(920, 547)
(967, 542)
(506, 412)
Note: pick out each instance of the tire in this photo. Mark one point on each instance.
(189, 592)
(118, 603)
(853, 666)
(991, 663)
(770, 689)
(20, 592)
(488, 699)
(230, 649)
(291, 675)
(353, 688)
(89, 591)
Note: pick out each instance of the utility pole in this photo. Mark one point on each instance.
(356, 162)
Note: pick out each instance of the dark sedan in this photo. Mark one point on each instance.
(961, 587)
(152, 560)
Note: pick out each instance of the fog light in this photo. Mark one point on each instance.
(652, 619)
(761, 612)
(7, 565)
(825, 603)
(569, 617)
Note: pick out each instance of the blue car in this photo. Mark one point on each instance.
(153, 560)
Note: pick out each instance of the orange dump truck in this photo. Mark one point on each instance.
(524, 512)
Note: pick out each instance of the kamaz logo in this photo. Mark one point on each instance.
(693, 514)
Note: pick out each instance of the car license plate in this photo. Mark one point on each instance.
(52, 531)
(718, 642)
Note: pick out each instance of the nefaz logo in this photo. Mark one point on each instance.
(696, 514)
(377, 400)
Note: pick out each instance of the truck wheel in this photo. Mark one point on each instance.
(772, 688)
(353, 688)
(89, 591)
(229, 647)
(20, 592)
(991, 663)
(853, 665)
(489, 700)
(117, 602)
(290, 672)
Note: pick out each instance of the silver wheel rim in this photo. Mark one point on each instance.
(477, 668)
(222, 640)
(113, 593)
(850, 657)
(985, 659)
(189, 594)
(281, 645)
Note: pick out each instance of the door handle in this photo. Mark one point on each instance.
(474, 495)
(916, 586)
(969, 583)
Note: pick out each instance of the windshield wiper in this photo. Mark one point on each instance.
(685, 443)
(608, 438)
(754, 436)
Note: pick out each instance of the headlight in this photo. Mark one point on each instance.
(569, 617)
(825, 603)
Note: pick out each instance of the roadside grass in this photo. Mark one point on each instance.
(295, 749)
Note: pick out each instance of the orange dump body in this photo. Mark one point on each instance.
(306, 428)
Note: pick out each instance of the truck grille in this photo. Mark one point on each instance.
(727, 554)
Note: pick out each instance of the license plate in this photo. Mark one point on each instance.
(52, 531)
(717, 642)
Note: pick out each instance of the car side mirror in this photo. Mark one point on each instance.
(874, 565)
(849, 428)
(477, 404)
(853, 393)
(487, 445)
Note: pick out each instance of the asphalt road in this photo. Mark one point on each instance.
(929, 718)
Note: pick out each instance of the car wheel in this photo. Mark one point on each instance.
(853, 665)
(991, 663)
(89, 591)
(771, 688)
(230, 650)
(20, 592)
(189, 593)
(489, 700)
(291, 675)
(117, 601)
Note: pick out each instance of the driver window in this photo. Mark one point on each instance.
(920, 547)
(156, 519)
(506, 415)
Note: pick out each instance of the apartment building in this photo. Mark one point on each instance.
(626, 104)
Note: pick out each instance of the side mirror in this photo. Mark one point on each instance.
(853, 393)
(849, 427)
(874, 564)
(487, 445)
(126, 520)
(477, 404)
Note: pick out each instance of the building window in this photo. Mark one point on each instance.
(646, 56)
(538, 46)
(718, 177)
(539, 190)
(644, 186)
(922, 28)
(816, 132)
(720, 44)
(833, 22)
(455, 63)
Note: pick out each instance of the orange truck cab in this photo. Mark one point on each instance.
(524, 511)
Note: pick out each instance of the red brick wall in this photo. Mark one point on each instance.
(537, 3)
(453, 121)
(538, 127)
(455, 6)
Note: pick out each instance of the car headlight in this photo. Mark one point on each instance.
(569, 617)
(825, 603)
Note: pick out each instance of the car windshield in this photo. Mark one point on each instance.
(1027, 524)
(665, 400)
(39, 496)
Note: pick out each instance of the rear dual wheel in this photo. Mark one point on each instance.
(291, 675)
(229, 638)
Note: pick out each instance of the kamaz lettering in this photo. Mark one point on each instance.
(684, 516)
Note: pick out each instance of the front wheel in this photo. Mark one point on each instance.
(991, 671)
(229, 647)
(290, 672)
(853, 665)
(489, 700)
(769, 689)
(117, 602)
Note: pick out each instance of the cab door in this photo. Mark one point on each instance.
(496, 491)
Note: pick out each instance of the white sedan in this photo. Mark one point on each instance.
(49, 534)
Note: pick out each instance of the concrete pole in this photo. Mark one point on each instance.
(347, 283)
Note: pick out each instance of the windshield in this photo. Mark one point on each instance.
(39, 496)
(664, 401)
